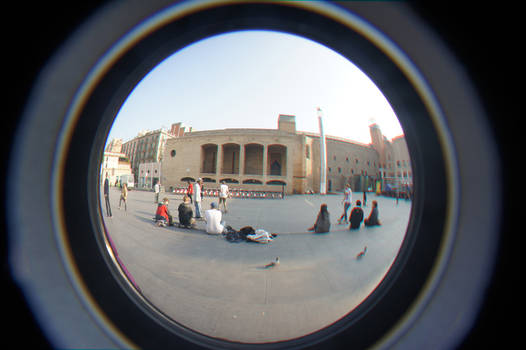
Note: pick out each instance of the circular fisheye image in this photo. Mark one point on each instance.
(255, 187)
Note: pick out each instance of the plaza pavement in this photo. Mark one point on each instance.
(221, 289)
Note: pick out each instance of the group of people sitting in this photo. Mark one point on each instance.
(213, 216)
(215, 224)
(323, 222)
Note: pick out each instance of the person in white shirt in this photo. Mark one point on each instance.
(213, 216)
(347, 200)
(197, 198)
(223, 195)
(157, 189)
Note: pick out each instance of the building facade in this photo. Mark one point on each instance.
(148, 146)
(279, 159)
(149, 174)
(115, 165)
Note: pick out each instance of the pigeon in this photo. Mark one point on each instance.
(362, 253)
(272, 263)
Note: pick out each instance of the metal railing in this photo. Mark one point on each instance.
(234, 193)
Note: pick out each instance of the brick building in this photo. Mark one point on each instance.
(271, 159)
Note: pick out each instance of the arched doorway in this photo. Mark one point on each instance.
(277, 160)
(208, 158)
(230, 163)
(253, 159)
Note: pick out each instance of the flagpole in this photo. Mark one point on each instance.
(323, 155)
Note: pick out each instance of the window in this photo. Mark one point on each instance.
(172, 153)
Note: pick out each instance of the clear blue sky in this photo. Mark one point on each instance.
(246, 79)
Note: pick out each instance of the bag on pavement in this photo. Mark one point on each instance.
(260, 236)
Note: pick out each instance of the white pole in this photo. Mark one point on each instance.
(323, 156)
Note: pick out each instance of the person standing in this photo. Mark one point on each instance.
(190, 191)
(356, 217)
(197, 198)
(157, 189)
(124, 196)
(223, 195)
(107, 195)
(347, 199)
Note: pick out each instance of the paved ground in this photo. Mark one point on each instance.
(220, 289)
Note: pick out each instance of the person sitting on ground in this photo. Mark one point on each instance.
(323, 222)
(372, 220)
(356, 216)
(162, 216)
(213, 216)
(186, 213)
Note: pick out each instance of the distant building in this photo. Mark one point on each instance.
(148, 146)
(149, 174)
(115, 146)
(114, 164)
(394, 162)
(272, 159)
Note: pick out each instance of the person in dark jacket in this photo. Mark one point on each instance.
(186, 213)
(356, 216)
(372, 220)
(107, 195)
(323, 222)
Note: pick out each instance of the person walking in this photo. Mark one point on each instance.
(347, 199)
(124, 196)
(107, 195)
(223, 195)
(197, 198)
(157, 190)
